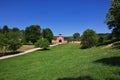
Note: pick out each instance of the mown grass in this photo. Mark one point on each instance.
(63, 62)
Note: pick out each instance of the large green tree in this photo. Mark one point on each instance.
(88, 39)
(76, 36)
(48, 34)
(32, 33)
(113, 18)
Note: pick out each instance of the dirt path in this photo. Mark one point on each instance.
(110, 45)
(26, 52)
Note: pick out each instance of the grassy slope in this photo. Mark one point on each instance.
(59, 63)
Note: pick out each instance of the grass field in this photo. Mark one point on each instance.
(64, 62)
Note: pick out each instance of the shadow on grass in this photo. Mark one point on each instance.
(86, 78)
(43, 49)
(113, 61)
(9, 53)
(79, 78)
(112, 79)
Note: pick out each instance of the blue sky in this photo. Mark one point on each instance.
(61, 16)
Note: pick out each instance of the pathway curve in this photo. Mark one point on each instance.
(26, 52)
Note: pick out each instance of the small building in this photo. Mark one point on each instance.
(60, 39)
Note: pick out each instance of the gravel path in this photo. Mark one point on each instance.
(26, 52)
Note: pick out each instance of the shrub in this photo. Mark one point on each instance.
(14, 45)
(100, 41)
(88, 39)
(42, 43)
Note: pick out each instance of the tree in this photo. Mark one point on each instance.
(32, 33)
(0, 30)
(4, 43)
(47, 33)
(113, 18)
(15, 29)
(2, 37)
(14, 45)
(76, 36)
(5, 29)
(42, 43)
(88, 39)
(9, 40)
(100, 41)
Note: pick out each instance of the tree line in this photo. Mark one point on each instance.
(39, 37)
(9, 39)
(12, 39)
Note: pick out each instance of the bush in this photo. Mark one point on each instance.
(88, 39)
(14, 45)
(42, 43)
(100, 41)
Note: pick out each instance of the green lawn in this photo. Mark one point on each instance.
(63, 62)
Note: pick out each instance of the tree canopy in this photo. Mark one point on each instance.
(9, 40)
(5, 29)
(113, 17)
(88, 38)
(76, 36)
(48, 34)
(32, 33)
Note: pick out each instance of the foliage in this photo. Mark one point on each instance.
(100, 40)
(32, 33)
(88, 39)
(113, 18)
(105, 39)
(9, 39)
(0, 30)
(48, 34)
(5, 29)
(42, 43)
(76, 36)
(15, 29)
(68, 38)
(2, 41)
(14, 45)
